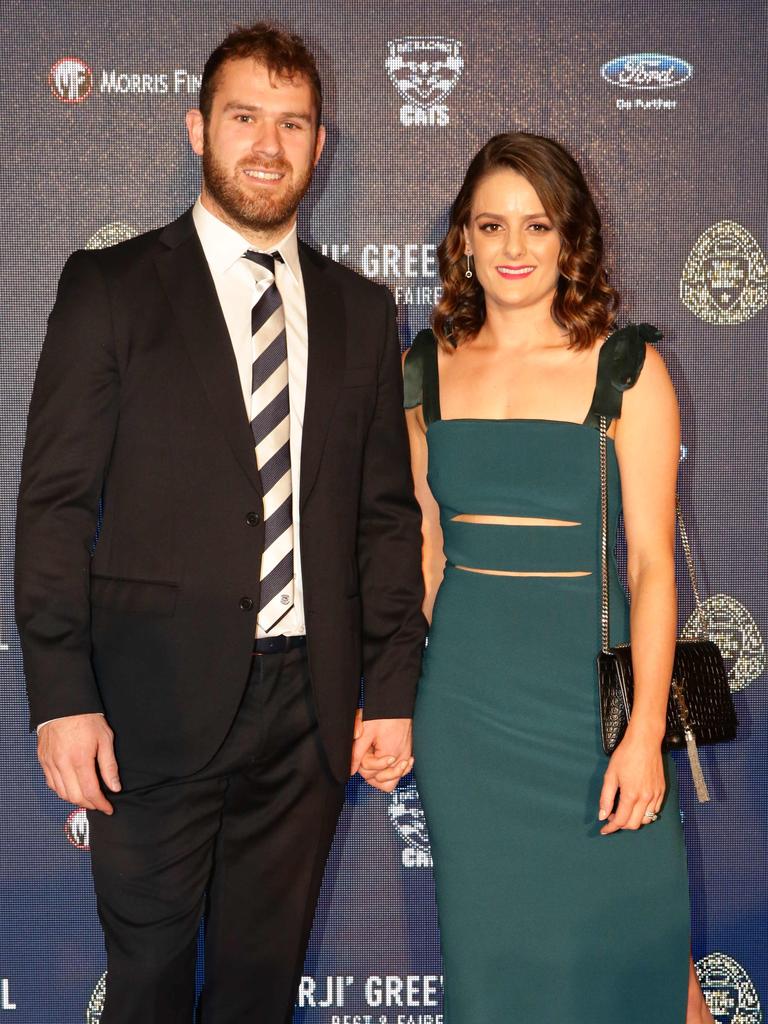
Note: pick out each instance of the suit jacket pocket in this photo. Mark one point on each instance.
(151, 597)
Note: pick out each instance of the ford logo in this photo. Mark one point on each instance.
(646, 71)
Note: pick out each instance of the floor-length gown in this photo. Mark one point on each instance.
(542, 919)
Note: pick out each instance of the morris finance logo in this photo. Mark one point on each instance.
(725, 278)
(71, 80)
(728, 989)
(424, 70)
(76, 829)
(406, 815)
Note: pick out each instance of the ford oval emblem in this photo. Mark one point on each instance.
(646, 71)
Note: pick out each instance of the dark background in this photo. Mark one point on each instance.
(663, 177)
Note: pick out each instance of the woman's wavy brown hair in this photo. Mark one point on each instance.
(585, 304)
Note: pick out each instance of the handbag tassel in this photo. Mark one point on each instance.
(699, 781)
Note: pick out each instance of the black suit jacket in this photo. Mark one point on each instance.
(137, 407)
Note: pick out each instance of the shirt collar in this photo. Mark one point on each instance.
(223, 246)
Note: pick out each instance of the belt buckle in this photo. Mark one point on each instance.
(276, 644)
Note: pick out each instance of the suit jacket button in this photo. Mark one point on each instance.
(246, 604)
(253, 519)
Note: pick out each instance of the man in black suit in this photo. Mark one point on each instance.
(232, 401)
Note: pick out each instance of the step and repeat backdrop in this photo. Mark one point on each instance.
(665, 104)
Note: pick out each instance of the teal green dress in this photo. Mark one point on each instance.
(542, 919)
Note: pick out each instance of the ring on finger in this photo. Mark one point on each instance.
(650, 815)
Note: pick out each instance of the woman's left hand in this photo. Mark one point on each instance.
(636, 772)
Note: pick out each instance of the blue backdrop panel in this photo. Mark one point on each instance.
(665, 105)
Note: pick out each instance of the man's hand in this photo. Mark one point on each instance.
(69, 749)
(381, 751)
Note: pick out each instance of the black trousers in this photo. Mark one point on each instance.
(244, 840)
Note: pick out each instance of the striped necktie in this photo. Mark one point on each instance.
(270, 423)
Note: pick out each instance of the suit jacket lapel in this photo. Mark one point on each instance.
(326, 330)
(188, 283)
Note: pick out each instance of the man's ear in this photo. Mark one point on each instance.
(196, 131)
(319, 144)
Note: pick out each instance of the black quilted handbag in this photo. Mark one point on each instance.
(700, 708)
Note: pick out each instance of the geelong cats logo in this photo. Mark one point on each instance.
(424, 70)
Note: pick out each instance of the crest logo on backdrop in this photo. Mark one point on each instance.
(406, 815)
(732, 628)
(110, 234)
(96, 1003)
(71, 80)
(424, 70)
(725, 278)
(728, 989)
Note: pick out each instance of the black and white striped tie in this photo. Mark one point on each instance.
(270, 422)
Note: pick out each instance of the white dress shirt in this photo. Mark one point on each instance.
(237, 290)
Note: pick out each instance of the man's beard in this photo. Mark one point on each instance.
(256, 212)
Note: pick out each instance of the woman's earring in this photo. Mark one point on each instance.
(468, 272)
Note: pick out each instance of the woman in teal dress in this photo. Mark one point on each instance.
(560, 873)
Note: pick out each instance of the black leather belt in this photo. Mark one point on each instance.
(278, 644)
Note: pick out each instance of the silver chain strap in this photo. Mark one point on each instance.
(701, 618)
(604, 624)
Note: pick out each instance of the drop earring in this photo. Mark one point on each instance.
(468, 271)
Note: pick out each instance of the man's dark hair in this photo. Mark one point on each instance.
(282, 53)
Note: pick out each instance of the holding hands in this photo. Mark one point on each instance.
(381, 751)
